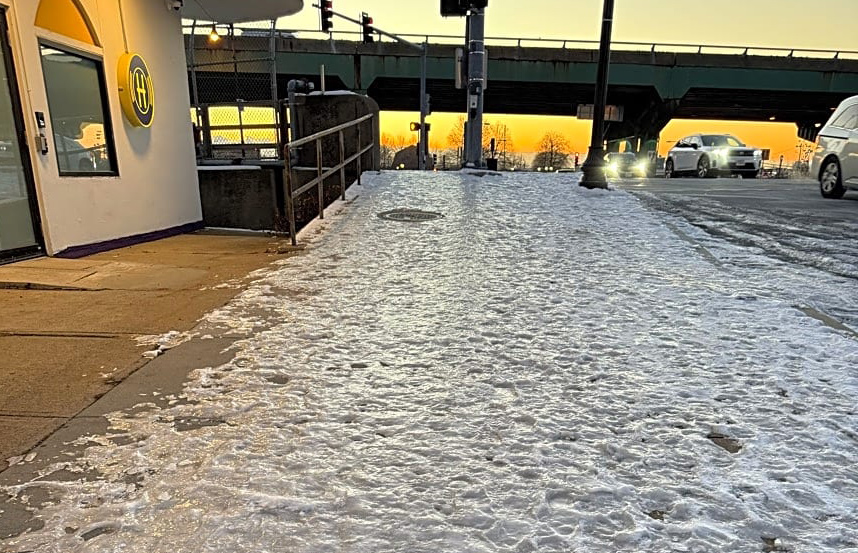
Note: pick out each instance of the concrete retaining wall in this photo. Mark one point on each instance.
(245, 197)
(253, 198)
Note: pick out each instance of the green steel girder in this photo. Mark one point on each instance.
(653, 86)
(670, 81)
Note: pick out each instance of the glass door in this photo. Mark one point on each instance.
(19, 232)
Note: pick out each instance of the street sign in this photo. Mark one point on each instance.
(612, 113)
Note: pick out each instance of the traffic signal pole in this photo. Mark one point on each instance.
(476, 87)
(423, 147)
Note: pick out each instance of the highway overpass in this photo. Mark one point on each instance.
(653, 86)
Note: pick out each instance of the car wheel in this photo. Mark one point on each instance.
(703, 167)
(830, 179)
(668, 169)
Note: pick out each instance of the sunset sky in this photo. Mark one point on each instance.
(826, 24)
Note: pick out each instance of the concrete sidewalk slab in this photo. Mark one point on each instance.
(65, 381)
(154, 383)
(68, 326)
(105, 312)
(117, 275)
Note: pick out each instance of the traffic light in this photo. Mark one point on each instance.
(459, 8)
(415, 127)
(326, 9)
(366, 23)
(453, 8)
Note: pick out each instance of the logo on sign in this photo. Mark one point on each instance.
(136, 92)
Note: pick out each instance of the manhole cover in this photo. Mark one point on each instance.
(410, 215)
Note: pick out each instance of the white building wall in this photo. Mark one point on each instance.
(157, 185)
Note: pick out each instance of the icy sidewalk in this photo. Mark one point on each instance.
(543, 369)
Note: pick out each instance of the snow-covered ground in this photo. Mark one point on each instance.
(544, 369)
(792, 235)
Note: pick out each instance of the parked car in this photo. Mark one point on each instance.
(625, 164)
(835, 161)
(708, 155)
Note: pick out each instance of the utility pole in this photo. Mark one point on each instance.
(423, 147)
(476, 86)
(594, 166)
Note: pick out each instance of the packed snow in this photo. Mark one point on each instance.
(545, 368)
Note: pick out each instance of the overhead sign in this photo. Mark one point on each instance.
(136, 93)
(612, 113)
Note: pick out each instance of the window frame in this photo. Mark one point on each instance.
(105, 104)
(847, 116)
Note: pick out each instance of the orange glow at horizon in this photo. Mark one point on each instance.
(765, 24)
(527, 130)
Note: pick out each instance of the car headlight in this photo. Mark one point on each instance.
(758, 153)
(723, 152)
(641, 167)
(614, 167)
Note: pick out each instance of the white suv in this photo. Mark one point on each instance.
(706, 155)
(835, 162)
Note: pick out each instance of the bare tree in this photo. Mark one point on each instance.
(553, 151)
(504, 144)
(515, 161)
(390, 145)
(456, 137)
(387, 150)
(456, 141)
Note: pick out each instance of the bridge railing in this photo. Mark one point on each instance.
(660, 47)
(322, 172)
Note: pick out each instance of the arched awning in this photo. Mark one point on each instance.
(237, 11)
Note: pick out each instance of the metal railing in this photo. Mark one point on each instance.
(240, 130)
(654, 47)
(322, 172)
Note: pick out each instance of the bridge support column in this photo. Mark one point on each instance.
(648, 144)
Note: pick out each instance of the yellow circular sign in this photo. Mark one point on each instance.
(136, 93)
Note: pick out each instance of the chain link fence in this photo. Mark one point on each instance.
(234, 96)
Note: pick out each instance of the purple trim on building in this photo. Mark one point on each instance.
(76, 252)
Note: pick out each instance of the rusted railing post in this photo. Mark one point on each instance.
(321, 185)
(290, 203)
(360, 147)
(343, 164)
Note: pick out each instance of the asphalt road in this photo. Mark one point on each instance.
(787, 198)
(786, 220)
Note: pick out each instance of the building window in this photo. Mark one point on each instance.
(80, 120)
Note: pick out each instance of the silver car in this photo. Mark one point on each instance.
(835, 161)
(709, 155)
